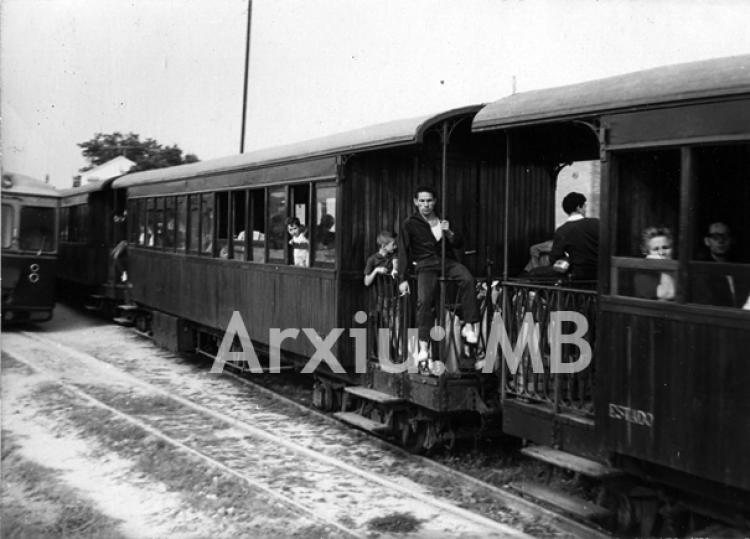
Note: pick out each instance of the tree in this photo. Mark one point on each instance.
(146, 154)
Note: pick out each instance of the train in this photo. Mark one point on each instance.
(658, 412)
(29, 250)
(90, 229)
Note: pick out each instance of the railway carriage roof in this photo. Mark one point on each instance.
(19, 184)
(386, 135)
(679, 83)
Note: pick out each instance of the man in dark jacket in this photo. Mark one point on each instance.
(577, 239)
(725, 288)
(420, 247)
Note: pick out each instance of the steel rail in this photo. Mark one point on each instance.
(446, 507)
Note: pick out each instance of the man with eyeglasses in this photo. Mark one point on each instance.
(719, 242)
(722, 289)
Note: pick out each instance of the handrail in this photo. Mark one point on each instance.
(562, 392)
(388, 310)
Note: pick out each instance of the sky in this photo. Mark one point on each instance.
(172, 70)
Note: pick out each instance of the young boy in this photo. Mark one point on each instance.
(299, 243)
(384, 261)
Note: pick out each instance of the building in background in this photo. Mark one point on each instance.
(111, 169)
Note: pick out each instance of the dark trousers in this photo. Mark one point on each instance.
(427, 291)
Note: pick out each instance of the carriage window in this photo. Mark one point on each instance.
(258, 224)
(277, 235)
(158, 224)
(142, 221)
(325, 227)
(239, 227)
(63, 233)
(73, 223)
(207, 223)
(648, 198)
(7, 225)
(169, 224)
(78, 230)
(84, 225)
(181, 223)
(133, 217)
(720, 262)
(222, 224)
(195, 222)
(37, 229)
(299, 240)
(148, 236)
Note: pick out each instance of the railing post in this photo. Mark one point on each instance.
(506, 309)
(558, 301)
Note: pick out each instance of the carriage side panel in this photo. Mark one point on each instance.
(674, 388)
(208, 291)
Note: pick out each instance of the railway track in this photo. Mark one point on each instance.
(258, 435)
(328, 489)
(511, 500)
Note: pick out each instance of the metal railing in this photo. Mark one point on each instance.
(565, 392)
(388, 310)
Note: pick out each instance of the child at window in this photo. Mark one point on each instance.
(299, 243)
(656, 244)
(383, 262)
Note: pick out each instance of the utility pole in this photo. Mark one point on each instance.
(247, 70)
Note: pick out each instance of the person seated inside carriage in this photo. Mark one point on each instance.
(725, 289)
(539, 257)
(656, 244)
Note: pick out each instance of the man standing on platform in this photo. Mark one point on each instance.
(420, 249)
(577, 240)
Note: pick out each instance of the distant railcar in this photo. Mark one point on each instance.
(29, 266)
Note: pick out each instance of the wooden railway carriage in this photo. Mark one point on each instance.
(666, 394)
(207, 239)
(29, 266)
(92, 223)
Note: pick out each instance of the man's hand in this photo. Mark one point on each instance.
(446, 227)
(403, 288)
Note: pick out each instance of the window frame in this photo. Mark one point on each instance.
(684, 266)
(8, 210)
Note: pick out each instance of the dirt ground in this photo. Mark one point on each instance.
(68, 471)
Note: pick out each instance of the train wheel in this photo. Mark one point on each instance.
(413, 435)
(625, 514)
(324, 397)
(449, 440)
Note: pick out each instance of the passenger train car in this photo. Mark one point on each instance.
(92, 224)
(29, 265)
(658, 414)
(208, 239)
(665, 396)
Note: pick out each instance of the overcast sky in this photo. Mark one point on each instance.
(172, 70)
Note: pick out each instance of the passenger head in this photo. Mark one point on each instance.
(425, 198)
(387, 241)
(327, 221)
(426, 189)
(656, 242)
(293, 226)
(719, 240)
(574, 202)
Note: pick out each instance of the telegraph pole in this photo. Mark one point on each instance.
(247, 69)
